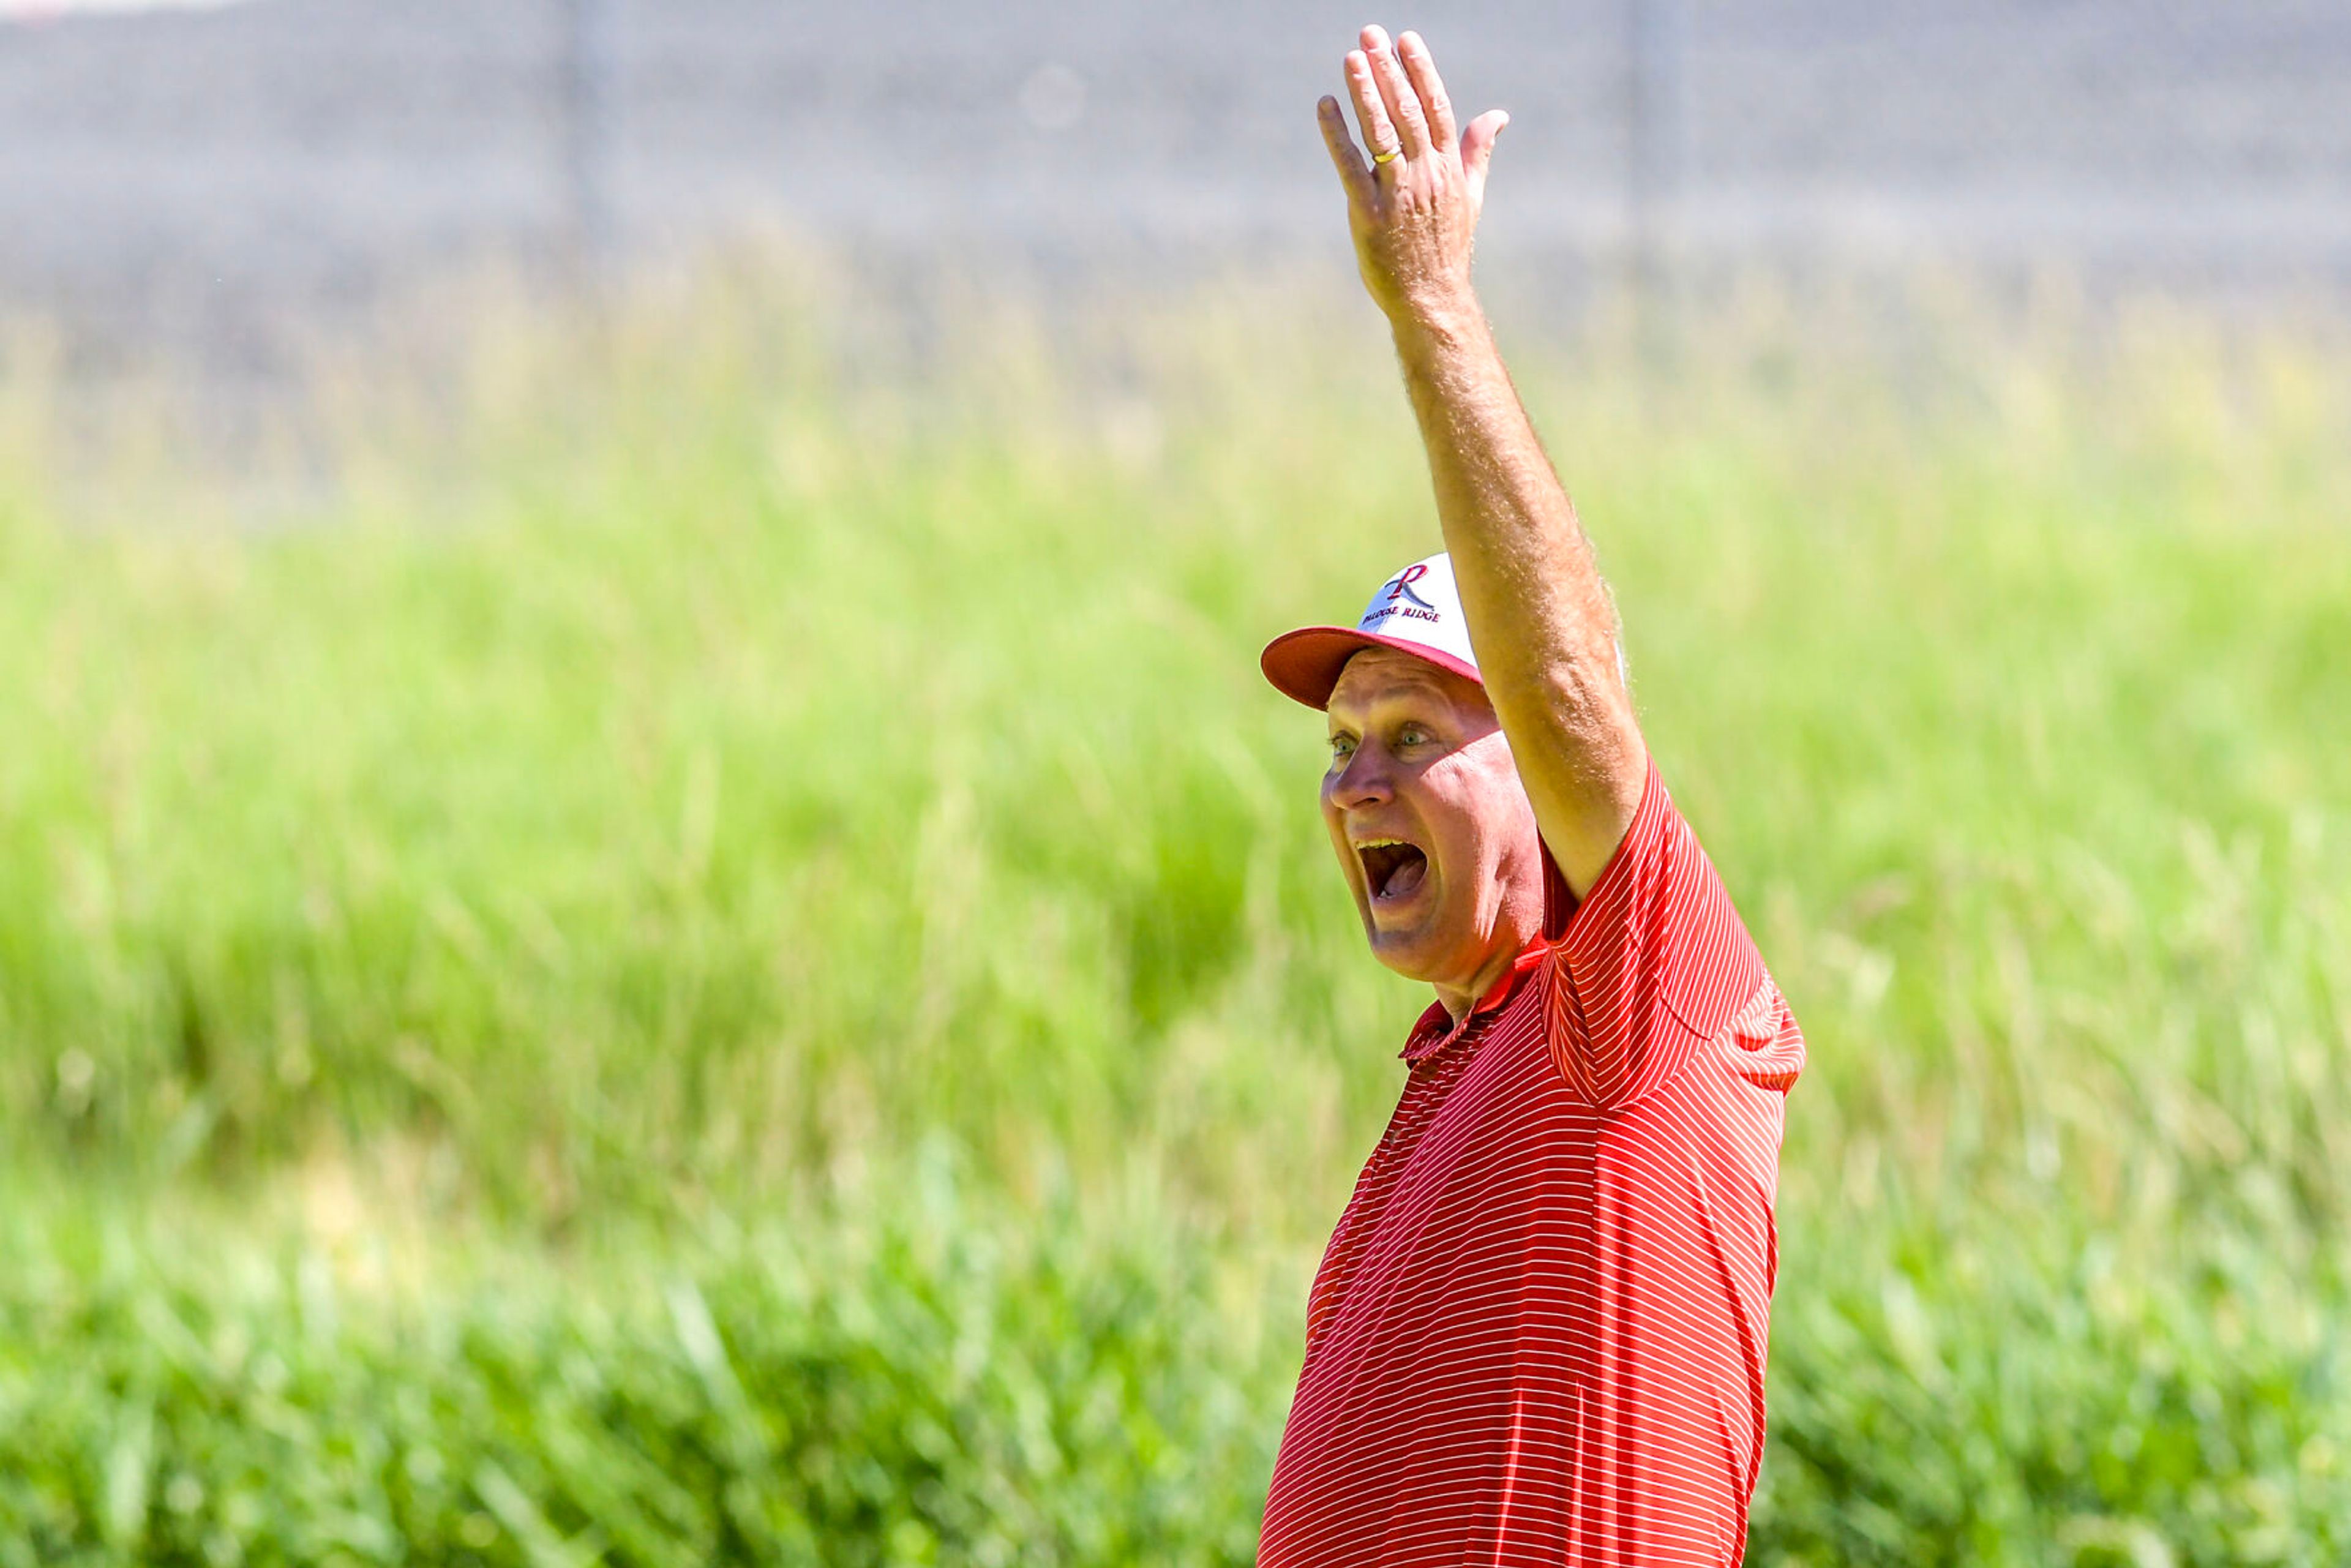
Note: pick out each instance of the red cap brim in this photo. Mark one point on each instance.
(1305, 664)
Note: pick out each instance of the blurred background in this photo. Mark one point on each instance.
(649, 910)
(218, 177)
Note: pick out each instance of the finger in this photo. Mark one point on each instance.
(1477, 149)
(1379, 137)
(1420, 66)
(1353, 172)
(1396, 96)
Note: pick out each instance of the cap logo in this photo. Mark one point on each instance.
(1402, 586)
(1401, 600)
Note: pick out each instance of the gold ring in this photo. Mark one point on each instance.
(1379, 158)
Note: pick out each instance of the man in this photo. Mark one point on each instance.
(1538, 1333)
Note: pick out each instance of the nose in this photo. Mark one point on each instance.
(1366, 781)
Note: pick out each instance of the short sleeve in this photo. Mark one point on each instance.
(1650, 966)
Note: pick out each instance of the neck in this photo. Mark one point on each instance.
(1459, 999)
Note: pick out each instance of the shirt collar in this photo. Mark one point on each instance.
(1437, 1030)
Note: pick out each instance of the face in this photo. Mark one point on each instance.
(1431, 824)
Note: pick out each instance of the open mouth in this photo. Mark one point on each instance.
(1392, 868)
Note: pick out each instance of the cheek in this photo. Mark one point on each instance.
(1335, 828)
(1481, 812)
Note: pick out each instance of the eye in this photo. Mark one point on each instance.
(1342, 747)
(1414, 735)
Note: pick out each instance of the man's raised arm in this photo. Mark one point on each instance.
(1540, 617)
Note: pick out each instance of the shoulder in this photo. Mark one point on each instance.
(1654, 963)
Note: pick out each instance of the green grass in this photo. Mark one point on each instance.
(676, 785)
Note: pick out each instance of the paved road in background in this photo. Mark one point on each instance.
(205, 176)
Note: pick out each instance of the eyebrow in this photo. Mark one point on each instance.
(1408, 688)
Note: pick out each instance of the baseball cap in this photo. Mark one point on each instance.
(1417, 612)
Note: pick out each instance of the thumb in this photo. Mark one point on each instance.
(1477, 149)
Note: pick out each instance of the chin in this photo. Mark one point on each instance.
(1416, 953)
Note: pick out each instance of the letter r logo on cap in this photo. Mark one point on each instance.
(1402, 586)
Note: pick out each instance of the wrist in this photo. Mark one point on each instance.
(1438, 323)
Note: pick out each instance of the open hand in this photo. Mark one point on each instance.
(1417, 185)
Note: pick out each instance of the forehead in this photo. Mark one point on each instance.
(1378, 675)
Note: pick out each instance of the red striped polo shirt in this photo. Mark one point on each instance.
(1538, 1333)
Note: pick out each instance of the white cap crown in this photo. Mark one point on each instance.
(1420, 604)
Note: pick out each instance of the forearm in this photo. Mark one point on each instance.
(1540, 619)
